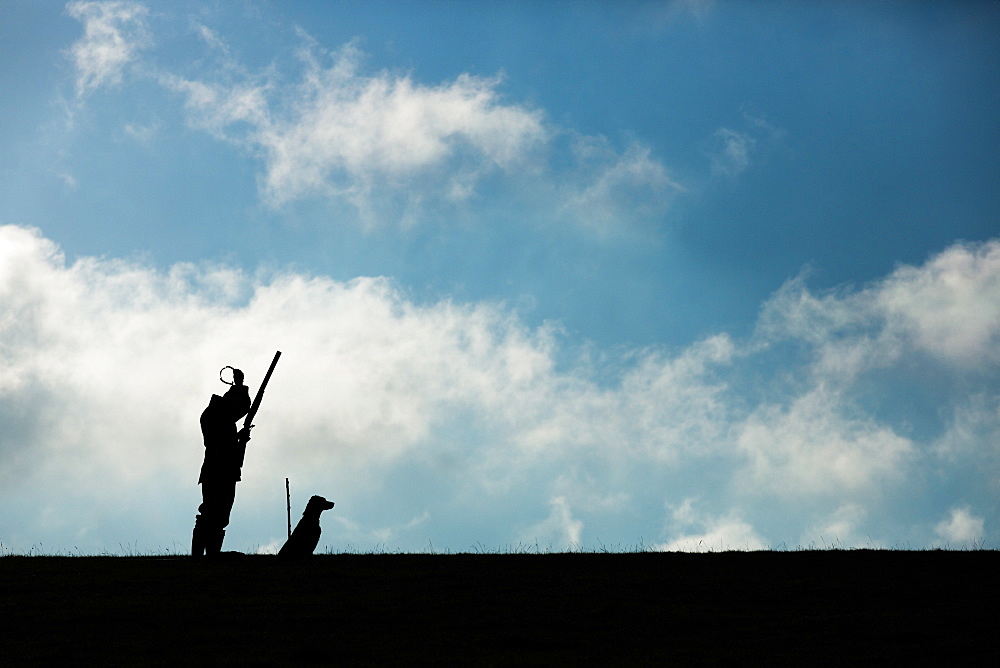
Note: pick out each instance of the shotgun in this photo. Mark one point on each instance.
(248, 422)
(244, 435)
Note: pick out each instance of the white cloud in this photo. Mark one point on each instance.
(947, 307)
(559, 531)
(395, 148)
(451, 423)
(114, 34)
(950, 306)
(973, 428)
(392, 148)
(609, 191)
(143, 134)
(962, 528)
(821, 439)
(838, 530)
(700, 533)
(211, 38)
(813, 446)
(732, 153)
(339, 132)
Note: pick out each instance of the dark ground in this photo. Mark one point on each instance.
(731, 607)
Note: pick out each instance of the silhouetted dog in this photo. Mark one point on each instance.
(305, 537)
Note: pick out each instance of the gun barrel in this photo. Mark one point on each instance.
(260, 391)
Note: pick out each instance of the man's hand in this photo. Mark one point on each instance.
(244, 434)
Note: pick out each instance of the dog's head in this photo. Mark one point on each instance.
(318, 504)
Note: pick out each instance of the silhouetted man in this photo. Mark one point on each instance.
(224, 451)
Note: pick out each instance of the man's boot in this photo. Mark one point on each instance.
(197, 541)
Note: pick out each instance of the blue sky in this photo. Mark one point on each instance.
(570, 274)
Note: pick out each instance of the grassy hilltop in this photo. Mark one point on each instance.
(741, 607)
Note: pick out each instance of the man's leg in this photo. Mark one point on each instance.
(198, 539)
(213, 542)
(201, 523)
(214, 518)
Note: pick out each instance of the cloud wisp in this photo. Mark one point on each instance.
(339, 132)
(394, 149)
(962, 528)
(452, 423)
(114, 35)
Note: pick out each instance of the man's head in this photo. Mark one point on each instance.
(237, 375)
